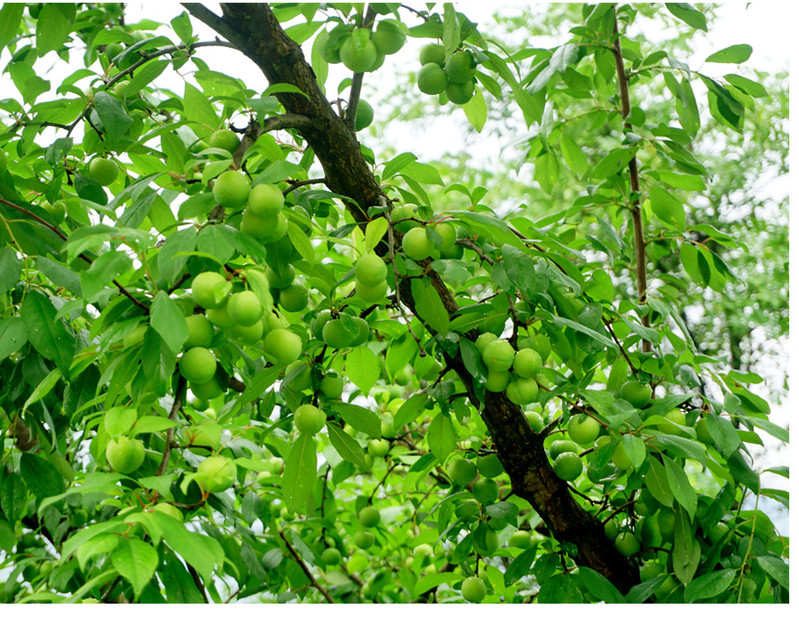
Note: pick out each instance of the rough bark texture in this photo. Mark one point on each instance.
(257, 33)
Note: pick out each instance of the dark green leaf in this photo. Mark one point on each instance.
(136, 561)
(300, 473)
(441, 436)
(734, 54)
(429, 305)
(776, 568)
(48, 335)
(13, 335)
(681, 488)
(112, 114)
(167, 319)
(599, 586)
(689, 14)
(709, 585)
(359, 418)
(349, 449)
(53, 26)
(10, 269)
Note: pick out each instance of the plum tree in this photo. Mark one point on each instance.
(364, 372)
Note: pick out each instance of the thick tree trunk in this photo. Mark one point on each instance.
(257, 33)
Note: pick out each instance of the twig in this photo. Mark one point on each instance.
(177, 404)
(295, 184)
(305, 569)
(357, 78)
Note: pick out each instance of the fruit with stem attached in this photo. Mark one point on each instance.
(224, 139)
(431, 79)
(522, 391)
(378, 448)
(526, 363)
(217, 473)
(535, 420)
(231, 189)
(462, 471)
(369, 516)
(568, 466)
(210, 289)
(417, 245)
(490, 465)
(198, 365)
(498, 355)
(627, 544)
(388, 37)
(583, 429)
(358, 52)
(636, 393)
(331, 386)
(337, 335)
(473, 590)
(294, 298)
(432, 52)
(265, 200)
(485, 490)
(364, 114)
(309, 419)
(459, 67)
(103, 171)
(124, 454)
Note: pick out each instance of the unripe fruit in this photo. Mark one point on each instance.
(220, 317)
(231, 189)
(244, 308)
(497, 381)
(467, 509)
(169, 510)
(378, 448)
(400, 213)
(371, 293)
(498, 355)
(103, 171)
(57, 209)
(331, 557)
(134, 338)
(526, 363)
(650, 569)
(460, 93)
(473, 589)
(627, 544)
(124, 454)
(363, 331)
(364, 114)
(206, 391)
(387, 37)
(336, 335)
(535, 420)
(490, 466)
(459, 67)
(583, 429)
(522, 391)
(282, 277)
(198, 365)
(483, 340)
(485, 491)
(266, 200)
(417, 245)
(675, 416)
(363, 539)
(490, 543)
(539, 342)
(201, 332)
(635, 393)
(331, 386)
(251, 335)
(560, 446)
(520, 539)
(318, 323)
(309, 420)
(611, 529)
(621, 459)
(666, 523)
(224, 139)
(702, 432)
(568, 466)
(210, 289)
(283, 345)
(294, 298)
(462, 471)
(370, 270)
(432, 52)
(217, 473)
(448, 236)
(369, 516)
(266, 229)
(358, 52)
(431, 79)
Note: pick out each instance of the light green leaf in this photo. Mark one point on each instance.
(300, 473)
(167, 319)
(53, 26)
(573, 155)
(441, 436)
(375, 230)
(689, 14)
(349, 449)
(363, 368)
(301, 242)
(681, 488)
(658, 484)
(429, 305)
(10, 18)
(476, 110)
(667, 208)
(153, 424)
(776, 568)
(686, 552)
(198, 109)
(136, 561)
(43, 388)
(734, 54)
(359, 418)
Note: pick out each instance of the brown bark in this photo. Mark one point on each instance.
(257, 33)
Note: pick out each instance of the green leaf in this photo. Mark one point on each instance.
(198, 109)
(43, 388)
(657, 483)
(752, 88)
(146, 74)
(734, 54)
(103, 270)
(201, 552)
(182, 27)
(742, 472)
(520, 566)
(573, 155)
(13, 497)
(349, 449)
(452, 32)
(410, 409)
(300, 473)
(613, 162)
(375, 230)
(29, 84)
(600, 586)
(776, 568)
(476, 110)
(359, 418)
(179, 586)
(167, 319)
(689, 14)
(681, 488)
(10, 269)
(709, 585)
(363, 368)
(112, 114)
(119, 420)
(429, 305)
(667, 208)
(41, 477)
(397, 164)
(13, 335)
(170, 262)
(301, 242)
(10, 18)
(48, 335)
(682, 181)
(441, 436)
(597, 336)
(53, 26)
(686, 552)
(136, 561)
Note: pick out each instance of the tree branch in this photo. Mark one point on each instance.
(635, 188)
(177, 404)
(305, 569)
